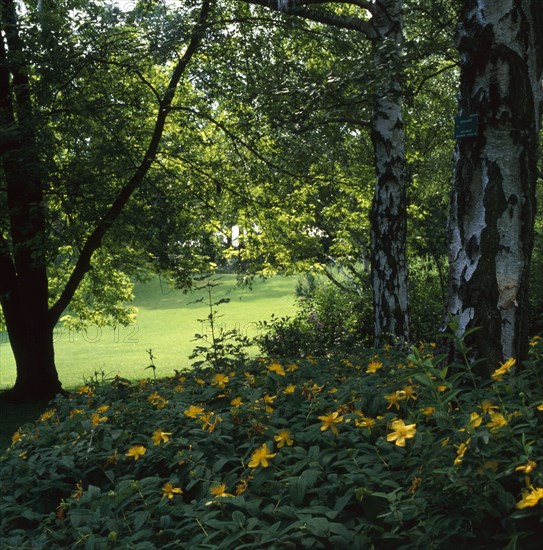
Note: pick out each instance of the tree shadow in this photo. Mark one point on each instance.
(13, 415)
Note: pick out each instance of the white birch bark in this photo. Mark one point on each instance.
(388, 215)
(493, 200)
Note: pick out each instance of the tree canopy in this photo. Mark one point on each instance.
(133, 139)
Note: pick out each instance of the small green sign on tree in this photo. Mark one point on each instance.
(466, 126)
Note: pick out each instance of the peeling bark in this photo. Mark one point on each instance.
(491, 224)
(388, 214)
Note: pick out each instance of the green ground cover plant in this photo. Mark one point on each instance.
(388, 449)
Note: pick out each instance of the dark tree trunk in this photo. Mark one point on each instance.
(24, 290)
(24, 285)
(388, 214)
(491, 226)
(31, 338)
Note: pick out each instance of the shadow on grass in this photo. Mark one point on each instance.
(13, 415)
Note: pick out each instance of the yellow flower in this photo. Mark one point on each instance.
(461, 451)
(168, 490)
(428, 411)
(374, 366)
(312, 391)
(78, 492)
(75, 412)
(401, 432)
(112, 459)
(276, 368)
(159, 437)
(531, 498)
(291, 388)
(97, 419)
(526, 468)
(208, 424)
(282, 437)
(236, 402)
(394, 399)
(409, 392)
(193, 411)
(475, 421)
(268, 400)
(16, 437)
(504, 368)
(200, 381)
(136, 451)
(292, 367)
(102, 409)
(219, 491)
(497, 421)
(330, 420)
(47, 415)
(242, 486)
(158, 401)
(487, 406)
(260, 457)
(540, 407)
(220, 380)
(153, 397)
(85, 390)
(365, 422)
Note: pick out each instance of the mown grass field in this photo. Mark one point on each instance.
(167, 322)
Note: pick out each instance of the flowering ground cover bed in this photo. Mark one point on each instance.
(384, 450)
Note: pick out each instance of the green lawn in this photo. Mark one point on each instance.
(166, 323)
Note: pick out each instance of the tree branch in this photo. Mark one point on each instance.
(236, 139)
(358, 24)
(94, 240)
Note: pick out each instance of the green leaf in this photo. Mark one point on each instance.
(139, 519)
(424, 379)
(296, 489)
(238, 517)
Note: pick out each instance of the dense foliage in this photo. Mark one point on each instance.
(335, 315)
(384, 450)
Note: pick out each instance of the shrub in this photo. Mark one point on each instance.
(379, 450)
(329, 319)
(536, 285)
(427, 295)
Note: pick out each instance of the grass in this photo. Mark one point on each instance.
(166, 323)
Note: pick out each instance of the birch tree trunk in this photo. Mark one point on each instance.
(491, 225)
(388, 214)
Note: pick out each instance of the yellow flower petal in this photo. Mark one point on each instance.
(260, 457)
